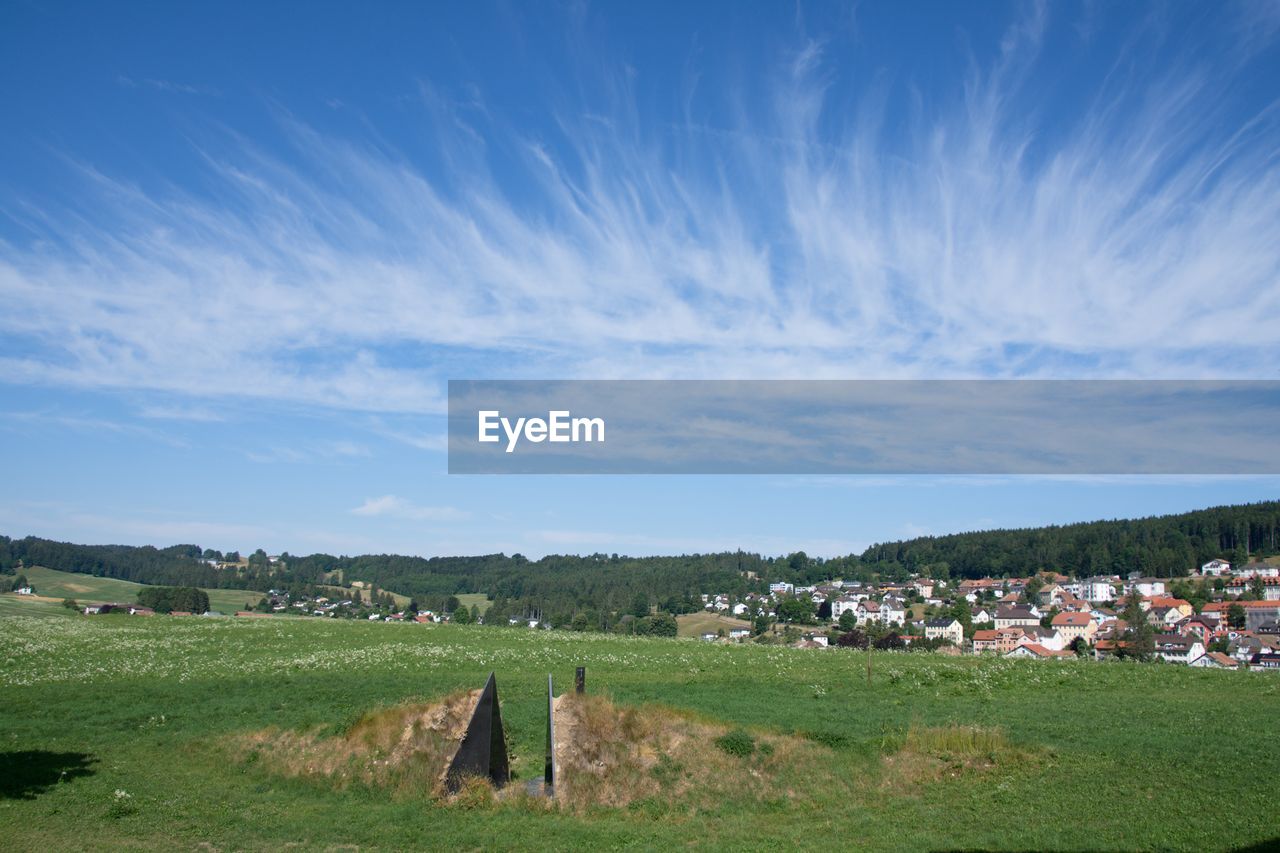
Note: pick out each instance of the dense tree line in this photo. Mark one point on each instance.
(599, 591)
(1163, 546)
(166, 599)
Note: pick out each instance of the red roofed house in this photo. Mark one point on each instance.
(985, 641)
(1035, 650)
(1072, 625)
(1215, 660)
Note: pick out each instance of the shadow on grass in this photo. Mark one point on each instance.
(26, 774)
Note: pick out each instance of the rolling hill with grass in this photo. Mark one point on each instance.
(258, 734)
(51, 584)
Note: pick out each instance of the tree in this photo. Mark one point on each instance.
(1140, 641)
(796, 610)
(412, 607)
(1080, 646)
(462, 616)
(853, 639)
(890, 640)
(1236, 616)
(1257, 589)
(19, 582)
(475, 613)
(760, 625)
(824, 610)
(959, 610)
(451, 604)
(1033, 587)
(848, 620)
(579, 622)
(663, 625)
(639, 605)
(165, 599)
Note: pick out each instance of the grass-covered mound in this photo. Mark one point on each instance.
(613, 755)
(122, 730)
(405, 748)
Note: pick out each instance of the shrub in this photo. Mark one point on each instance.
(737, 742)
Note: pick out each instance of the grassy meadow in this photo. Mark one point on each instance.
(50, 583)
(128, 732)
(695, 624)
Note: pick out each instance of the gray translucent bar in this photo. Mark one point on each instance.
(865, 427)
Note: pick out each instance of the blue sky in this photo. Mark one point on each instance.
(244, 246)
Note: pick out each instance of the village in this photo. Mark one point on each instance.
(1221, 618)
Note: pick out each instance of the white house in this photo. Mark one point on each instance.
(924, 586)
(867, 612)
(1145, 587)
(1177, 649)
(1270, 587)
(841, 604)
(1262, 570)
(948, 628)
(892, 610)
(1098, 589)
(781, 588)
(1007, 617)
(1215, 568)
(739, 633)
(1214, 660)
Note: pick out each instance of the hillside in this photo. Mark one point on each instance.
(1162, 546)
(934, 753)
(604, 587)
(49, 583)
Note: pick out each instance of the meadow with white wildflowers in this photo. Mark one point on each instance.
(117, 731)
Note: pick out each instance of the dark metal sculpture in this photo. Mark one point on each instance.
(483, 751)
(549, 769)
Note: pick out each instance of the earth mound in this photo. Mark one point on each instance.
(406, 747)
(611, 755)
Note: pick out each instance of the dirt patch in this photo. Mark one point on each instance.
(406, 748)
(609, 755)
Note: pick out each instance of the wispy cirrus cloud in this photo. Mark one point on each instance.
(962, 235)
(169, 86)
(391, 506)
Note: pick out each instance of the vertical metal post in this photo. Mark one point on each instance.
(549, 768)
(580, 681)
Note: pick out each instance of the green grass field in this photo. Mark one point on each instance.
(54, 584)
(694, 624)
(1120, 756)
(475, 599)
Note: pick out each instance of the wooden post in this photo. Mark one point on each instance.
(868, 662)
(580, 681)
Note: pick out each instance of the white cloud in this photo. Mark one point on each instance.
(390, 506)
(1136, 238)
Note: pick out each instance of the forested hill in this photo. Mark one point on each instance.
(1162, 546)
